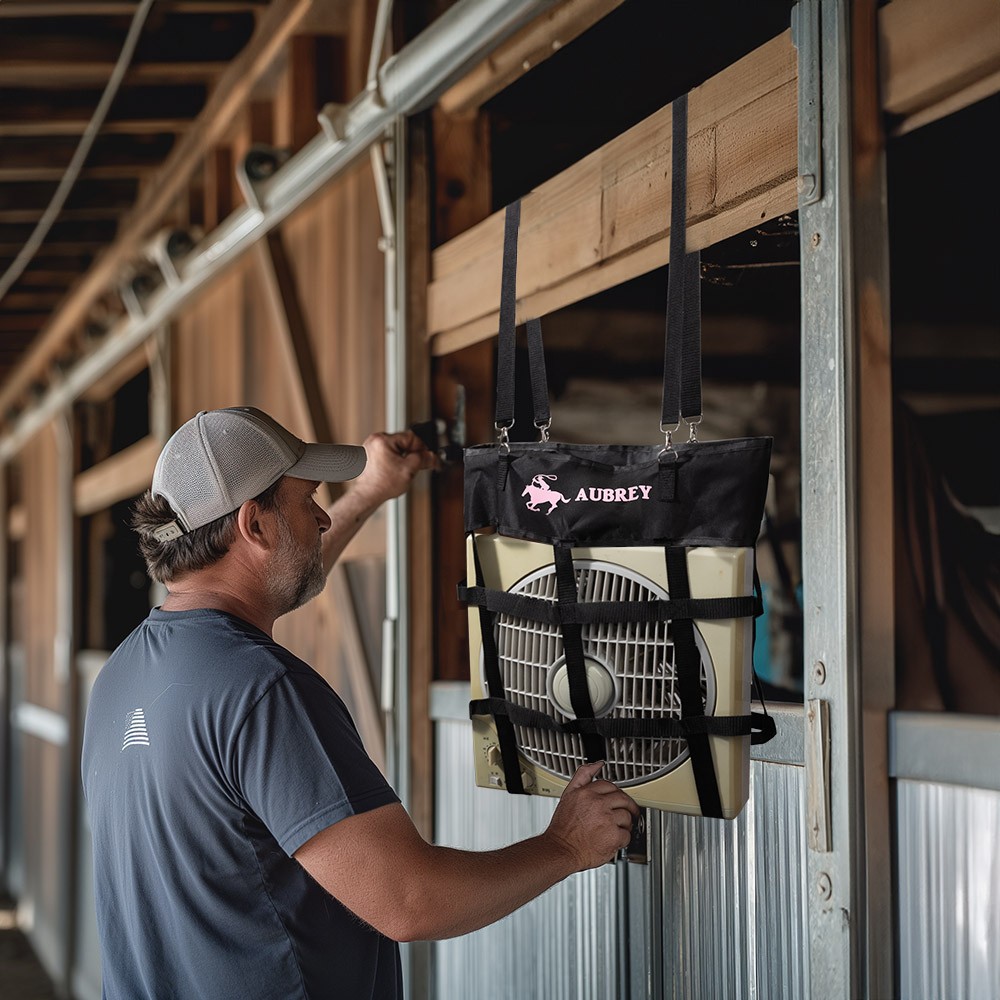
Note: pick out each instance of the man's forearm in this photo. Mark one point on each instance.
(348, 513)
(459, 891)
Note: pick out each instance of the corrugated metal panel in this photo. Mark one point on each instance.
(730, 924)
(733, 903)
(949, 903)
(777, 881)
(562, 946)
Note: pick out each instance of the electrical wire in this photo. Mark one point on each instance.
(69, 177)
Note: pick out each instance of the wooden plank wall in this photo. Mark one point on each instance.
(43, 809)
(227, 352)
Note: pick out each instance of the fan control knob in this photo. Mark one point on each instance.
(493, 755)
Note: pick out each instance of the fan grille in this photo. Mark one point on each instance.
(640, 657)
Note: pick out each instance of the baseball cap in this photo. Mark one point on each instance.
(220, 459)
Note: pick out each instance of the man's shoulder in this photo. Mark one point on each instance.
(211, 647)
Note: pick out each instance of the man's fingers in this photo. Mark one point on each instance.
(585, 774)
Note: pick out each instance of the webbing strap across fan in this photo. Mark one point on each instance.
(681, 401)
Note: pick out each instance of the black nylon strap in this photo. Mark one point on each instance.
(536, 369)
(576, 668)
(608, 612)
(682, 354)
(494, 681)
(754, 725)
(507, 340)
(508, 303)
(687, 664)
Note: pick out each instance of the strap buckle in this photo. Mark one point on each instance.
(668, 438)
(693, 428)
(503, 437)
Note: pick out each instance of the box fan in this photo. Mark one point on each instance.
(631, 670)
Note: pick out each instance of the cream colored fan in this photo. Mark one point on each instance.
(630, 670)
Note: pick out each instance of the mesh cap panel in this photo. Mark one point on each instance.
(221, 458)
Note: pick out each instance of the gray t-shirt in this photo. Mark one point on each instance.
(210, 755)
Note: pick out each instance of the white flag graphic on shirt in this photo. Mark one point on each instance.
(136, 734)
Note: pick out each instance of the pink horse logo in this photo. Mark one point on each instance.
(539, 492)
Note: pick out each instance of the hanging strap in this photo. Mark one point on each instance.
(494, 681)
(576, 667)
(687, 667)
(682, 355)
(506, 342)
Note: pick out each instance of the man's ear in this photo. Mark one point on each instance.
(255, 525)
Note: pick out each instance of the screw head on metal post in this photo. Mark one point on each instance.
(824, 886)
(819, 672)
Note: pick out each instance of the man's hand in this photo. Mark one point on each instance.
(593, 819)
(393, 461)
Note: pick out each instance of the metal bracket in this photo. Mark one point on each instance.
(166, 248)
(135, 292)
(806, 37)
(333, 119)
(819, 826)
(257, 167)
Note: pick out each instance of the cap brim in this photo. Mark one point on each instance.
(329, 463)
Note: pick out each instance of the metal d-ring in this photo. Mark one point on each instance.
(543, 430)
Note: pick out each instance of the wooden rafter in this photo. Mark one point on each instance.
(123, 475)
(606, 218)
(42, 73)
(522, 52)
(64, 126)
(125, 8)
(275, 26)
(937, 58)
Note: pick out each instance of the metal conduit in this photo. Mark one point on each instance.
(407, 82)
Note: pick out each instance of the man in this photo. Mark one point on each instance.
(245, 845)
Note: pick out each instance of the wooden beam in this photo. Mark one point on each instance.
(43, 301)
(119, 477)
(126, 369)
(275, 27)
(286, 306)
(66, 126)
(421, 557)
(17, 522)
(286, 309)
(606, 218)
(43, 73)
(107, 172)
(937, 58)
(125, 8)
(869, 252)
(15, 216)
(522, 52)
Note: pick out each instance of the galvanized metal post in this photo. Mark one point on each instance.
(847, 848)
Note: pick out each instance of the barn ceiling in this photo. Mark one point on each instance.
(56, 59)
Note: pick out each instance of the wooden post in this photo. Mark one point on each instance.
(286, 307)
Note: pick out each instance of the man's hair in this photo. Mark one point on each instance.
(194, 550)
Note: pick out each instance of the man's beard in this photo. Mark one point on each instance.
(297, 575)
